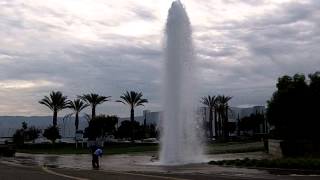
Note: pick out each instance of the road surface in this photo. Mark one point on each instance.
(19, 172)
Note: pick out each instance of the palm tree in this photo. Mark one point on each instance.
(77, 106)
(224, 100)
(56, 102)
(219, 111)
(210, 102)
(93, 100)
(133, 99)
(216, 113)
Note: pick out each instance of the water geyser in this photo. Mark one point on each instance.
(180, 143)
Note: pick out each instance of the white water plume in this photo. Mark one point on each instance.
(180, 143)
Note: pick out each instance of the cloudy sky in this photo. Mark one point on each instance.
(109, 46)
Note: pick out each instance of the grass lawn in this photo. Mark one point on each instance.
(217, 148)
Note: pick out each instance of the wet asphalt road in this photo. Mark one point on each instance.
(8, 172)
(13, 172)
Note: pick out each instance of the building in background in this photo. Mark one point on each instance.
(147, 118)
(235, 114)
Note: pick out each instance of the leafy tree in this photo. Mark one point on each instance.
(93, 100)
(109, 124)
(210, 102)
(133, 99)
(55, 102)
(100, 126)
(293, 108)
(18, 137)
(125, 129)
(32, 133)
(24, 125)
(90, 132)
(315, 101)
(151, 131)
(251, 123)
(77, 106)
(25, 134)
(52, 133)
(232, 127)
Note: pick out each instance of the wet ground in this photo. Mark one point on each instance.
(147, 165)
(128, 163)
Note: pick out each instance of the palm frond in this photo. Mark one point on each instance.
(209, 101)
(133, 99)
(56, 101)
(87, 117)
(77, 105)
(67, 116)
(120, 101)
(47, 102)
(94, 99)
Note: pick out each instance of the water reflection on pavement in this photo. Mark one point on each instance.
(129, 163)
(145, 164)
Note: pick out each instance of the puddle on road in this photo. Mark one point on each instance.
(127, 163)
(140, 163)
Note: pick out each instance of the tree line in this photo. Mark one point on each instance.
(56, 102)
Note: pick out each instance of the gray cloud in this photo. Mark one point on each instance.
(52, 48)
(259, 49)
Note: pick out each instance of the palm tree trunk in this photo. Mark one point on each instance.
(132, 121)
(238, 125)
(226, 124)
(221, 118)
(145, 126)
(219, 123)
(55, 118)
(93, 112)
(210, 122)
(76, 123)
(215, 123)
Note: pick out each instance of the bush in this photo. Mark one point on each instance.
(52, 133)
(25, 134)
(18, 137)
(287, 163)
(100, 126)
(32, 133)
(124, 131)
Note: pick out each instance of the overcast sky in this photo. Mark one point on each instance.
(109, 46)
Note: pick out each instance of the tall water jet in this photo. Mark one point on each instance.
(180, 143)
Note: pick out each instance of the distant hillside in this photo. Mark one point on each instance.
(9, 124)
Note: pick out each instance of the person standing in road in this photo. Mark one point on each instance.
(95, 157)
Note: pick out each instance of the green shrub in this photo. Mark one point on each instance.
(52, 133)
(310, 164)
